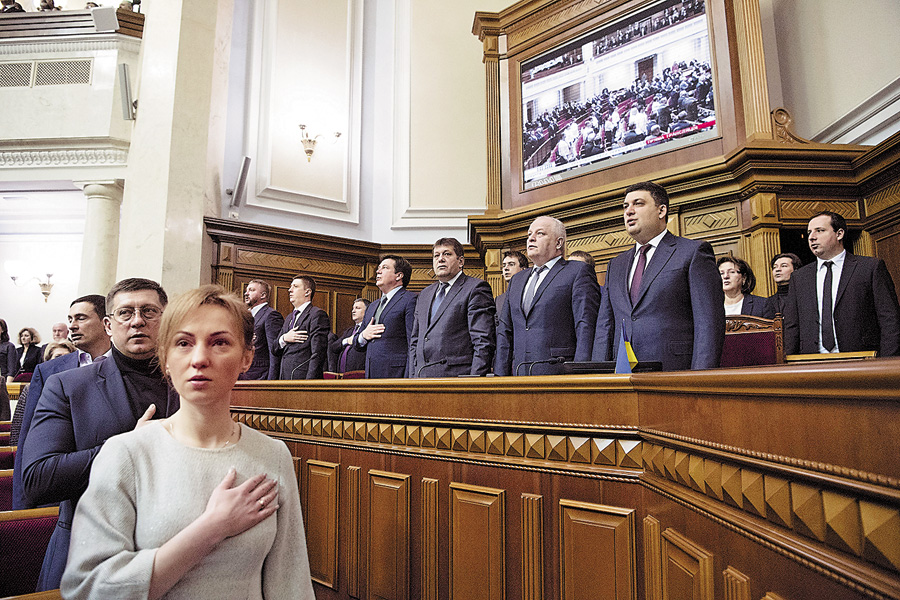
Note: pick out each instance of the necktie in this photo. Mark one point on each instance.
(380, 309)
(639, 273)
(532, 288)
(438, 298)
(827, 317)
(342, 364)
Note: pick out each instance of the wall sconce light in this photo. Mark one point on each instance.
(45, 286)
(309, 143)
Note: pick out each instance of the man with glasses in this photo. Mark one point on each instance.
(80, 409)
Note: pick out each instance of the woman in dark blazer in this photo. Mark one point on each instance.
(28, 353)
(738, 281)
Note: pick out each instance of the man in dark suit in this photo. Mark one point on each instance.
(303, 342)
(267, 324)
(347, 357)
(80, 409)
(513, 262)
(841, 302)
(550, 311)
(389, 321)
(454, 332)
(666, 291)
(92, 345)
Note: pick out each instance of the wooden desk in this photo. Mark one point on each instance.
(732, 483)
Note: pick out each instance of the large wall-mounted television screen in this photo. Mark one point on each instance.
(637, 86)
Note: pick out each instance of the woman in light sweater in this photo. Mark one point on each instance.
(196, 505)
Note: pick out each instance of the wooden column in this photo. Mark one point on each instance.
(753, 70)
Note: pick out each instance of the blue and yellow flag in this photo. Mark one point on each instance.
(625, 358)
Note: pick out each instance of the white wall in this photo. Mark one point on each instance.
(833, 57)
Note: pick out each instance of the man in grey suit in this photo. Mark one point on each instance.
(453, 333)
(267, 324)
(841, 302)
(303, 342)
(550, 311)
(666, 291)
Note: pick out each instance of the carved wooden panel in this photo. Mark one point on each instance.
(737, 585)
(352, 537)
(320, 502)
(687, 572)
(388, 564)
(477, 543)
(532, 547)
(430, 538)
(652, 558)
(597, 557)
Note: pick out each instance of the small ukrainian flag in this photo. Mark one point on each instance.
(625, 358)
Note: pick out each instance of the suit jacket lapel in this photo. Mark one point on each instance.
(451, 293)
(660, 257)
(846, 274)
(112, 388)
(559, 266)
(392, 303)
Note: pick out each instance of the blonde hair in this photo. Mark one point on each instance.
(50, 348)
(208, 295)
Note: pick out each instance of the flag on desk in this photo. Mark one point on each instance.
(625, 359)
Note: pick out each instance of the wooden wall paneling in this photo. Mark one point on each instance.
(342, 305)
(388, 540)
(597, 551)
(477, 542)
(352, 532)
(320, 502)
(652, 558)
(532, 547)
(430, 538)
(687, 572)
(737, 585)
(772, 596)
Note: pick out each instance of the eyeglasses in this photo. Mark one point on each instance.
(126, 313)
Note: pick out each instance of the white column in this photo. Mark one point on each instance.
(100, 251)
(173, 155)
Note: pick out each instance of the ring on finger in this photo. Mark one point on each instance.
(262, 503)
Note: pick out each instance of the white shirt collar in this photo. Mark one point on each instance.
(837, 260)
(654, 242)
(452, 281)
(257, 308)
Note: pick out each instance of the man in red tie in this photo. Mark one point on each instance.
(666, 291)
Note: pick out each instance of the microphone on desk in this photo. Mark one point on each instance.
(443, 361)
(547, 361)
(304, 363)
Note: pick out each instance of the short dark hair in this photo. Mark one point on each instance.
(95, 300)
(452, 243)
(837, 221)
(308, 282)
(790, 256)
(744, 269)
(363, 300)
(657, 192)
(523, 260)
(136, 284)
(266, 288)
(400, 265)
(584, 256)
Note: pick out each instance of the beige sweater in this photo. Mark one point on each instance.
(145, 487)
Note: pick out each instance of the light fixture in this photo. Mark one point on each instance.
(309, 143)
(45, 286)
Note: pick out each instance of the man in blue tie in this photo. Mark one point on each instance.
(454, 331)
(549, 313)
(303, 343)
